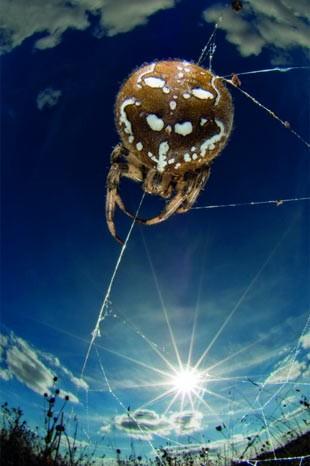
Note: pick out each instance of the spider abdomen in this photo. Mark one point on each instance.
(174, 115)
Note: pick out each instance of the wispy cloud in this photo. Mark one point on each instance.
(105, 428)
(286, 371)
(305, 341)
(5, 374)
(22, 19)
(145, 423)
(54, 361)
(23, 362)
(48, 98)
(279, 24)
(32, 367)
(187, 422)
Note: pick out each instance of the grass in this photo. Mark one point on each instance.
(22, 446)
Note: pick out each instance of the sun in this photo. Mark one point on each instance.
(187, 381)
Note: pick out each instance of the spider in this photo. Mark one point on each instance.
(236, 5)
(173, 118)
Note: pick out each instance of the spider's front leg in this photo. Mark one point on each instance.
(119, 168)
(158, 184)
(183, 189)
(113, 180)
(192, 195)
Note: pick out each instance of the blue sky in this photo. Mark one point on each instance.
(240, 272)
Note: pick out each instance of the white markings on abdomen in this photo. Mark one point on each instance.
(123, 116)
(183, 128)
(218, 94)
(162, 156)
(202, 93)
(209, 144)
(154, 122)
(154, 82)
(149, 69)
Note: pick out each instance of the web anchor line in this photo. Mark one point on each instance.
(284, 123)
(270, 70)
(103, 310)
(276, 202)
(210, 47)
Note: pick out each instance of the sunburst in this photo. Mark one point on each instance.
(187, 381)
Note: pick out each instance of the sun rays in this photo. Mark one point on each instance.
(178, 383)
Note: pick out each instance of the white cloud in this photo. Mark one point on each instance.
(105, 428)
(286, 371)
(305, 341)
(26, 364)
(145, 423)
(3, 340)
(182, 450)
(5, 374)
(54, 361)
(23, 18)
(187, 422)
(77, 381)
(3, 343)
(280, 24)
(48, 98)
(122, 16)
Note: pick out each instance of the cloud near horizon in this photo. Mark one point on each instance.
(22, 19)
(305, 341)
(33, 368)
(145, 423)
(277, 24)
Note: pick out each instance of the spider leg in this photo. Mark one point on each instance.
(117, 171)
(112, 194)
(118, 153)
(191, 198)
(154, 183)
(158, 184)
(183, 188)
(130, 171)
(170, 208)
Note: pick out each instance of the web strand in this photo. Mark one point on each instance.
(284, 123)
(276, 202)
(210, 47)
(103, 310)
(271, 70)
(119, 401)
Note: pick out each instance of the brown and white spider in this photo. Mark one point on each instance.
(173, 118)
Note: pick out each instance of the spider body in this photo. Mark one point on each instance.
(236, 5)
(173, 118)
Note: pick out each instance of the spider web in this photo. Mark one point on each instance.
(247, 413)
(272, 428)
